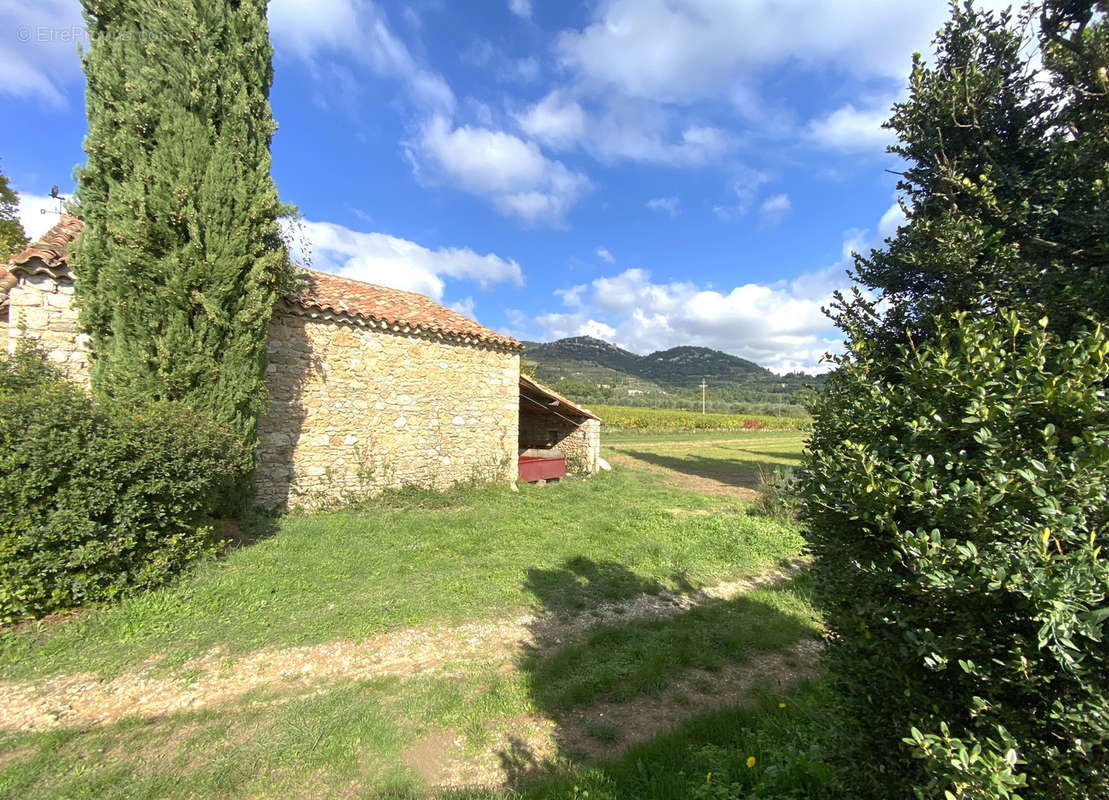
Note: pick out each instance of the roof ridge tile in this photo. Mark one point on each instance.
(323, 291)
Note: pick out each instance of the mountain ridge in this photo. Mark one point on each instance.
(589, 369)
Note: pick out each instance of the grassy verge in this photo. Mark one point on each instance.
(364, 738)
(616, 663)
(352, 741)
(421, 558)
(711, 462)
(777, 749)
(321, 745)
(534, 715)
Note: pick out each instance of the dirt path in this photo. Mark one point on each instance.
(83, 700)
(531, 745)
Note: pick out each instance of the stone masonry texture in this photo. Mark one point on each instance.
(353, 408)
(358, 408)
(41, 308)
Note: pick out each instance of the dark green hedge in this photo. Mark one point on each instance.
(95, 502)
(955, 502)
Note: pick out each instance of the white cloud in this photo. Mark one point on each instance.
(632, 289)
(778, 325)
(521, 8)
(850, 129)
(39, 213)
(746, 188)
(637, 67)
(513, 173)
(768, 325)
(554, 121)
(681, 51)
(318, 30)
(572, 297)
(605, 255)
(402, 264)
(618, 129)
(525, 69)
(667, 205)
(492, 60)
(465, 307)
(891, 220)
(561, 326)
(774, 209)
(38, 48)
(637, 131)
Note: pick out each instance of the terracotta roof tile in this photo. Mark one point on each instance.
(326, 292)
(48, 254)
(317, 292)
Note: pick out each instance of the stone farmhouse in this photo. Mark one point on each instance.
(368, 387)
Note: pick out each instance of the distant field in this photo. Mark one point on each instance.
(717, 463)
(665, 419)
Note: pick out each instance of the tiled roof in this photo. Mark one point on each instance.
(318, 293)
(48, 254)
(395, 309)
(555, 401)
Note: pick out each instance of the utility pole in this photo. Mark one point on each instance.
(703, 387)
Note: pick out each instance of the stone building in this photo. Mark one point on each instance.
(368, 387)
(548, 421)
(37, 293)
(371, 386)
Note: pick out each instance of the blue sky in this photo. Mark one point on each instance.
(652, 172)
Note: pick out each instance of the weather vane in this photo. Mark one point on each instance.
(54, 195)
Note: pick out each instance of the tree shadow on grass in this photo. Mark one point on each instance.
(728, 471)
(641, 662)
(793, 457)
(582, 583)
(247, 529)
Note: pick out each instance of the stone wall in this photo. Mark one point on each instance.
(584, 445)
(354, 409)
(41, 308)
(580, 443)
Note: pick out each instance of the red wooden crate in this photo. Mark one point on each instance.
(536, 468)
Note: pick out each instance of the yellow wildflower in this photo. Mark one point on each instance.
(750, 761)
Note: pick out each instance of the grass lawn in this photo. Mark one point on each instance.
(464, 555)
(727, 463)
(473, 638)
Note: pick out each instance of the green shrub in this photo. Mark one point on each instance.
(776, 494)
(97, 501)
(955, 503)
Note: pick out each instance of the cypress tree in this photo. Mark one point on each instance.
(181, 261)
